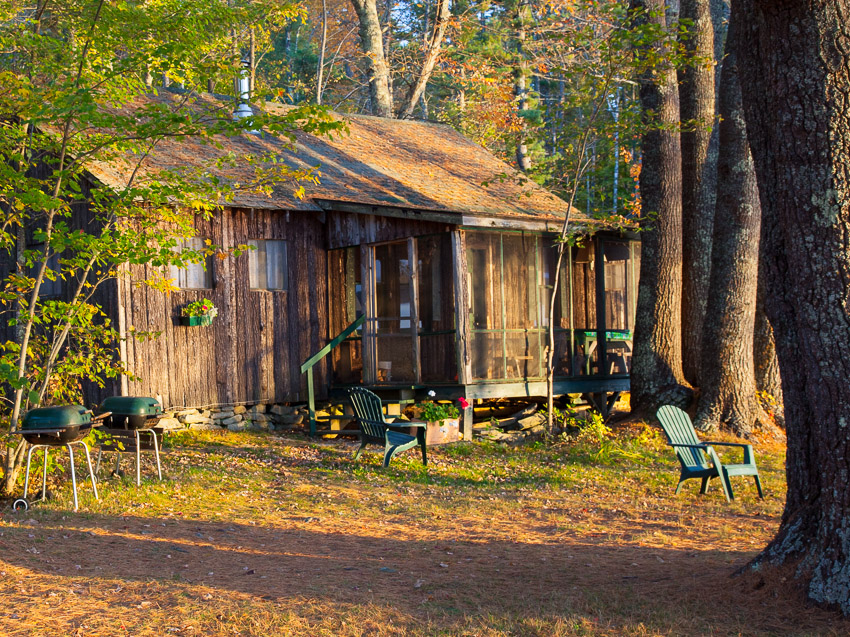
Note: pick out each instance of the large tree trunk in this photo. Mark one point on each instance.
(796, 82)
(417, 89)
(728, 375)
(377, 70)
(768, 379)
(696, 99)
(657, 360)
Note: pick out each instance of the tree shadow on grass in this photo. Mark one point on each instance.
(438, 583)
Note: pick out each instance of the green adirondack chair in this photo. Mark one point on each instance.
(692, 454)
(374, 428)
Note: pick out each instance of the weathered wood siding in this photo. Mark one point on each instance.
(253, 349)
(345, 229)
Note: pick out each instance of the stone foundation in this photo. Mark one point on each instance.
(260, 417)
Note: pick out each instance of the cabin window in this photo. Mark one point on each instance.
(194, 276)
(49, 288)
(267, 265)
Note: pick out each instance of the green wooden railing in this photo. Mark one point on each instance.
(307, 366)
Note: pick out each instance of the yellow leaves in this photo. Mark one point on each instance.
(161, 283)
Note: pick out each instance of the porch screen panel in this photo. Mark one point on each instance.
(522, 311)
(564, 343)
(487, 346)
(618, 317)
(393, 304)
(586, 358)
(508, 297)
(617, 288)
(484, 255)
(438, 360)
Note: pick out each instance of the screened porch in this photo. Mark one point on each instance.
(499, 284)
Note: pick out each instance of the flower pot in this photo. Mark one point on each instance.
(442, 431)
(193, 321)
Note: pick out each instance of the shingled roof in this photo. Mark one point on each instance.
(402, 164)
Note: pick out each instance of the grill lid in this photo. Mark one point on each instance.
(56, 417)
(130, 406)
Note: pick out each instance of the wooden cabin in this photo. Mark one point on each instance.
(440, 252)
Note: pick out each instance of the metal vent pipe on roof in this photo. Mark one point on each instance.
(244, 81)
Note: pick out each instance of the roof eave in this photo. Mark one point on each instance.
(539, 223)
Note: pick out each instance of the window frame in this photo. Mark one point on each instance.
(259, 246)
(206, 265)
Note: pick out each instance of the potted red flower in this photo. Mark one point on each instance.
(199, 313)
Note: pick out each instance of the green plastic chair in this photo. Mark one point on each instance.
(374, 428)
(692, 454)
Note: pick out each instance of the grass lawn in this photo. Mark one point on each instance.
(263, 535)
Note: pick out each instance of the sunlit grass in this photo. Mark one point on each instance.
(260, 535)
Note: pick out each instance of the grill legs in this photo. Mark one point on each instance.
(46, 448)
(137, 433)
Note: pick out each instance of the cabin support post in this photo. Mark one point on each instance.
(601, 321)
(461, 280)
(413, 258)
(467, 414)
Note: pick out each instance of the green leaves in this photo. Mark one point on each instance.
(76, 97)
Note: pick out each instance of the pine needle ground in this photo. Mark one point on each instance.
(263, 535)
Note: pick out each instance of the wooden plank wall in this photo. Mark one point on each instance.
(346, 229)
(254, 348)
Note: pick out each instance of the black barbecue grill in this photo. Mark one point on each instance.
(126, 420)
(63, 426)
(131, 412)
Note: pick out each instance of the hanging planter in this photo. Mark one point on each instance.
(199, 313)
(194, 321)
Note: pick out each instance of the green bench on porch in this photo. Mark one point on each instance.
(374, 428)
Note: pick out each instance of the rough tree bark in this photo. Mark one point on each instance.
(417, 89)
(377, 70)
(696, 103)
(657, 376)
(768, 379)
(728, 375)
(796, 87)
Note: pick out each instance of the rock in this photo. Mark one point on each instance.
(538, 430)
(232, 421)
(259, 417)
(236, 426)
(192, 419)
(258, 409)
(169, 424)
(511, 437)
(187, 412)
(204, 426)
(221, 415)
(240, 409)
(257, 425)
(294, 419)
(282, 410)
